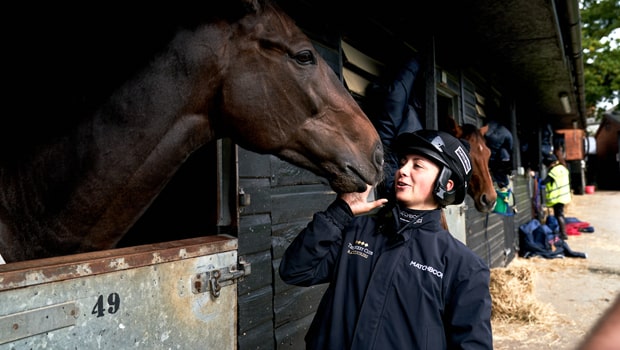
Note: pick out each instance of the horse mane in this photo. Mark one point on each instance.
(469, 129)
(51, 80)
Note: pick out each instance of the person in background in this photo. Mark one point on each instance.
(395, 111)
(557, 190)
(397, 279)
(499, 140)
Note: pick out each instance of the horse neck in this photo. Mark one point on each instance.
(154, 121)
(126, 152)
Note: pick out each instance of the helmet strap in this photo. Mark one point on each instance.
(441, 186)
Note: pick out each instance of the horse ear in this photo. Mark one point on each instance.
(452, 127)
(457, 130)
(251, 6)
(235, 10)
(484, 129)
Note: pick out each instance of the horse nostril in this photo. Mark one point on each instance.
(378, 162)
(489, 203)
(378, 156)
(486, 201)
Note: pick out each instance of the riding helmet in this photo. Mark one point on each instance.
(449, 153)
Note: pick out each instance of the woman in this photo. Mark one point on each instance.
(397, 280)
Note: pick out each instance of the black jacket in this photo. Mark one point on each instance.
(416, 289)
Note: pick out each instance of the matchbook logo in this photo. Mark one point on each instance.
(423, 267)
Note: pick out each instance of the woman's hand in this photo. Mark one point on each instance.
(358, 202)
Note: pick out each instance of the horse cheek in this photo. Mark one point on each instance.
(244, 103)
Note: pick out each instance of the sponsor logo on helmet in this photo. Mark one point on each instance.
(462, 155)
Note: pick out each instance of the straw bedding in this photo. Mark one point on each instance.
(516, 312)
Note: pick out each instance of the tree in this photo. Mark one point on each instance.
(601, 52)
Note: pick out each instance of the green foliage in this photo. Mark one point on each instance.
(601, 57)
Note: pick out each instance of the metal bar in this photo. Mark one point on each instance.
(39, 271)
(32, 322)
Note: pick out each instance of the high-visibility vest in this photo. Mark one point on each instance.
(558, 191)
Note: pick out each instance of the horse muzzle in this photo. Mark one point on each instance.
(358, 175)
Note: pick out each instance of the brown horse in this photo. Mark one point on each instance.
(480, 187)
(251, 75)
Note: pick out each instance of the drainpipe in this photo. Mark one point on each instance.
(576, 55)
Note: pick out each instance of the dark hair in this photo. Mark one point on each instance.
(548, 159)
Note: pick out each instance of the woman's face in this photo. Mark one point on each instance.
(414, 182)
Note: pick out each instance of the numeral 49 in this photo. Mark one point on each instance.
(114, 302)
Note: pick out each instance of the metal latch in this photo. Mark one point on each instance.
(214, 280)
(244, 198)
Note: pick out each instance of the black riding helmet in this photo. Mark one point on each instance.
(449, 153)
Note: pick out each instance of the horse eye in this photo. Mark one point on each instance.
(304, 57)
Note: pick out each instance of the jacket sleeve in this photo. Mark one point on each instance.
(548, 179)
(468, 311)
(311, 257)
(397, 116)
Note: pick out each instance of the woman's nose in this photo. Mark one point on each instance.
(405, 169)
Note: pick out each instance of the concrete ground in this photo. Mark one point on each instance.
(577, 290)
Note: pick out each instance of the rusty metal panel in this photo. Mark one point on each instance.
(139, 297)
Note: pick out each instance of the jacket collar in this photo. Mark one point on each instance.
(428, 220)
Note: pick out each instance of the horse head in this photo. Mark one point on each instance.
(480, 187)
(275, 81)
(243, 71)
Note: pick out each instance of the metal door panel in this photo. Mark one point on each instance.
(455, 218)
(127, 298)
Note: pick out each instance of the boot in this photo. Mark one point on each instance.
(562, 225)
